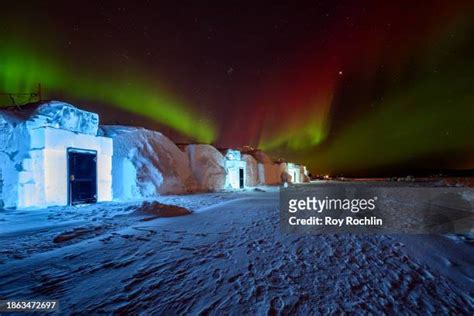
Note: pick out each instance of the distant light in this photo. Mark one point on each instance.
(340, 72)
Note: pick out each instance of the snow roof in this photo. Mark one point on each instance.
(56, 114)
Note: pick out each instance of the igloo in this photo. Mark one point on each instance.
(146, 163)
(268, 171)
(207, 166)
(50, 154)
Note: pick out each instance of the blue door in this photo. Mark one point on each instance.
(82, 177)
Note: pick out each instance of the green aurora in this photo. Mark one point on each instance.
(428, 112)
(23, 67)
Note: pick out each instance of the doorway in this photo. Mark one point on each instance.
(241, 178)
(82, 175)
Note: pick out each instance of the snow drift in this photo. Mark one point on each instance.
(158, 209)
(146, 163)
(208, 166)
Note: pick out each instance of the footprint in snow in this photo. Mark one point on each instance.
(222, 255)
(234, 278)
(217, 274)
(188, 248)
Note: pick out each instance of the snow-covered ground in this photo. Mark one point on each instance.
(227, 257)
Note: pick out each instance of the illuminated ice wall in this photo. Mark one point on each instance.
(34, 153)
(234, 165)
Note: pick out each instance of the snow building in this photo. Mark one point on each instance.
(294, 171)
(304, 174)
(251, 170)
(235, 168)
(268, 171)
(51, 154)
(208, 166)
(146, 163)
(284, 175)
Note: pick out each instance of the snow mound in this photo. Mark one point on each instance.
(146, 163)
(286, 177)
(262, 157)
(306, 179)
(75, 233)
(208, 166)
(162, 210)
(268, 171)
(251, 171)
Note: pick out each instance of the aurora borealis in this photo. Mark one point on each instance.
(389, 95)
(343, 87)
(22, 71)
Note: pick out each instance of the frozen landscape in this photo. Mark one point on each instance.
(227, 256)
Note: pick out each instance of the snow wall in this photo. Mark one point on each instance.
(295, 172)
(284, 175)
(34, 143)
(146, 163)
(251, 172)
(208, 166)
(14, 147)
(269, 172)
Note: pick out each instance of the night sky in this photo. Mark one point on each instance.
(353, 87)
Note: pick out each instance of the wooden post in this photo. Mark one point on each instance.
(39, 92)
